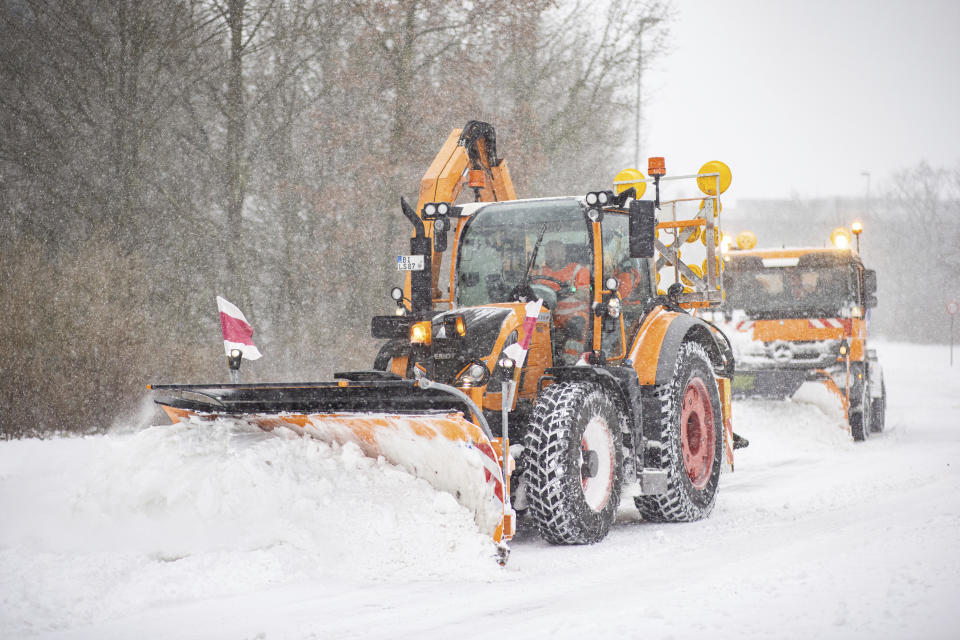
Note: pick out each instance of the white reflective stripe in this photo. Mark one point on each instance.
(780, 262)
(824, 323)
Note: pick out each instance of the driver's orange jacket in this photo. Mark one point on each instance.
(569, 306)
(628, 280)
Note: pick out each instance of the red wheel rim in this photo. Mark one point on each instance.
(697, 433)
(597, 437)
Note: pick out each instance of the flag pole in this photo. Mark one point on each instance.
(233, 361)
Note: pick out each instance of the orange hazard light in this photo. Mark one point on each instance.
(656, 166)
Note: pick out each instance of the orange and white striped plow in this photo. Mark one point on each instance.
(448, 451)
(831, 385)
(726, 405)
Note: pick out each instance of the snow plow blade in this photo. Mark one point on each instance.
(419, 426)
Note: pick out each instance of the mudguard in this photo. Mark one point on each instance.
(655, 348)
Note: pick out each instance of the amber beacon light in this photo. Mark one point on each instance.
(656, 166)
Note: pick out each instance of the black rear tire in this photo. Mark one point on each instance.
(878, 410)
(690, 444)
(859, 415)
(574, 459)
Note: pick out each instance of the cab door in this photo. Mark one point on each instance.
(633, 286)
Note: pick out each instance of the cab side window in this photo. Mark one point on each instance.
(632, 274)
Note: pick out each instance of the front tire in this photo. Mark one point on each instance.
(859, 414)
(690, 427)
(574, 459)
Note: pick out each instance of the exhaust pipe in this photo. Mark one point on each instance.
(421, 282)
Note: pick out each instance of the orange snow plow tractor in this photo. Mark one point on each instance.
(798, 315)
(530, 368)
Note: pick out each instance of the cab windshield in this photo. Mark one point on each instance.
(795, 291)
(499, 240)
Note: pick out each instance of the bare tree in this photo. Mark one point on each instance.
(567, 83)
(918, 250)
(155, 154)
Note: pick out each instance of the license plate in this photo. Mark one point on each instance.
(410, 263)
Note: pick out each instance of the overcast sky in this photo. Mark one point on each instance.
(800, 97)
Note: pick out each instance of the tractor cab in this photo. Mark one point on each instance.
(546, 250)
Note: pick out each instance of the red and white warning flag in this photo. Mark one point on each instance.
(237, 332)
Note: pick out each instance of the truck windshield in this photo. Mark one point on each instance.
(499, 240)
(784, 292)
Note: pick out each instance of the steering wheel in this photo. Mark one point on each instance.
(522, 293)
(566, 288)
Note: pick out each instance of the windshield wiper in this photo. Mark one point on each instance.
(533, 257)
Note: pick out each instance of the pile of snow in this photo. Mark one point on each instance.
(99, 527)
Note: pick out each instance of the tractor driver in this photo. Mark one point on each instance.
(571, 280)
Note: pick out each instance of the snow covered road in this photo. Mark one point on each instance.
(173, 533)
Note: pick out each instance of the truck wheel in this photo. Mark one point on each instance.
(573, 465)
(690, 446)
(878, 410)
(859, 415)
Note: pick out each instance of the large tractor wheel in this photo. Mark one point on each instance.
(690, 424)
(573, 463)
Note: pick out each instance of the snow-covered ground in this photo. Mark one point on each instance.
(175, 532)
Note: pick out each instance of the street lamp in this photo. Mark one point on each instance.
(866, 174)
(857, 228)
(644, 22)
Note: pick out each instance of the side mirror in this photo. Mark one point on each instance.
(869, 282)
(870, 302)
(643, 229)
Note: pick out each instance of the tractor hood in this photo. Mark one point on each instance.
(489, 329)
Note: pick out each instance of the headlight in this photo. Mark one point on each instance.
(613, 307)
(454, 326)
(420, 333)
(499, 372)
(475, 374)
